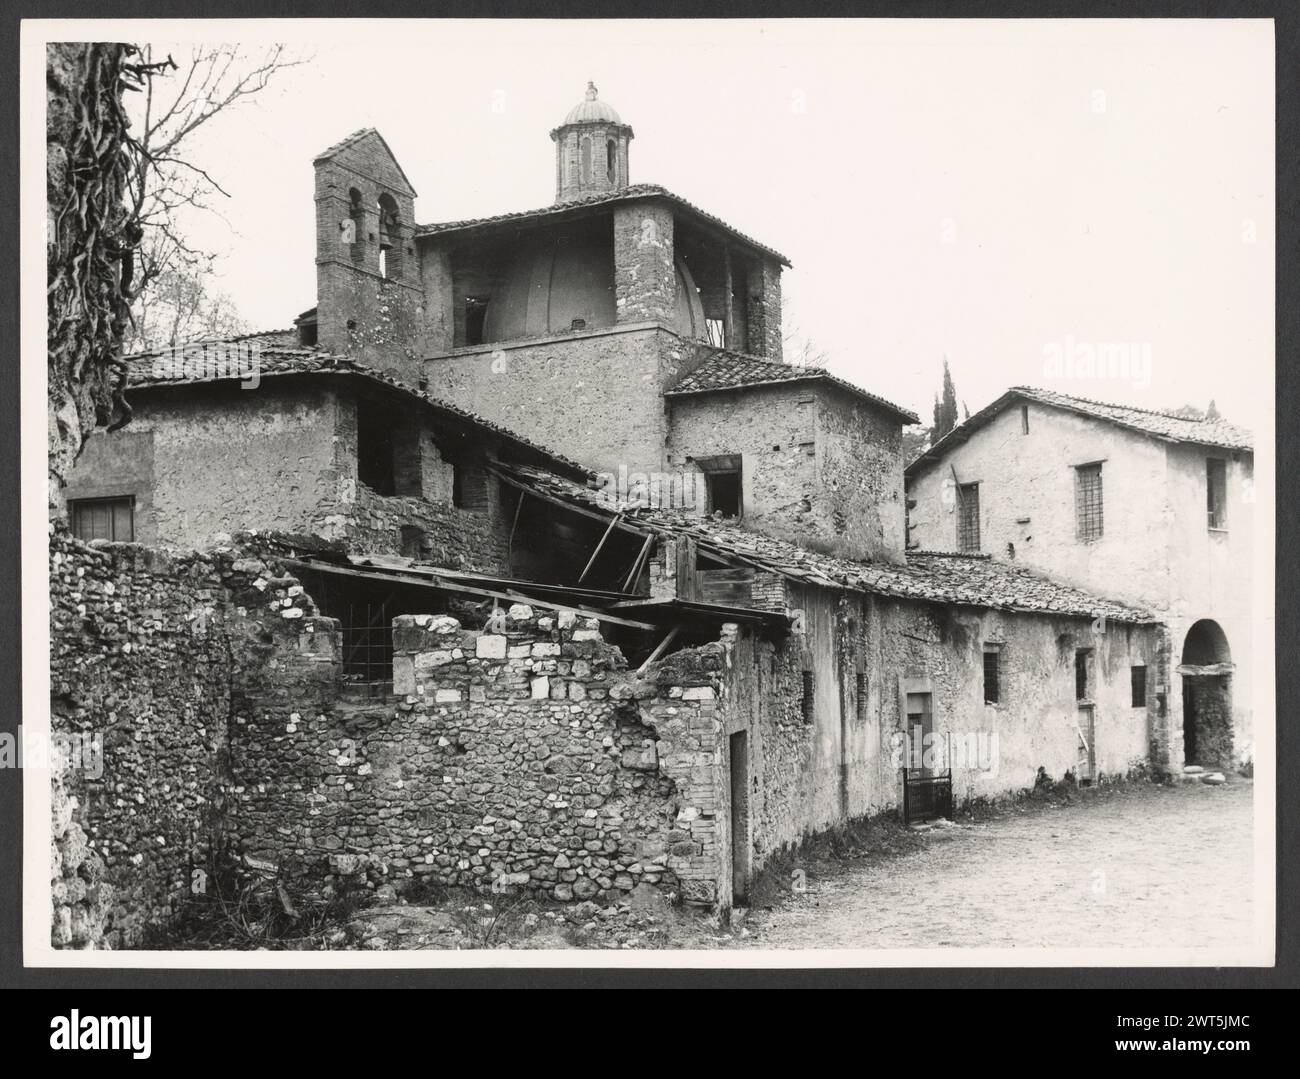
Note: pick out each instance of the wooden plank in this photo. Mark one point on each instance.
(659, 649)
(688, 576)
(592, 560)
(636, 566)
(510, 544)
(571, 506)
(446, 585)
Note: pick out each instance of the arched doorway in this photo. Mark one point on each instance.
(1206, 670)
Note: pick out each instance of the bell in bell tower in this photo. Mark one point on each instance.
(591, 150)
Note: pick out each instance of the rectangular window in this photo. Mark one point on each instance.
(807, 697)
(475, 317)
(714, 329)
(860, 695)
(992, 675)
(1139, 685)
(1087, 502)
(1216, 491)
(103, 518)
(1083, 674)
(1024, 419)
(968, 517)
(722, 484)
(375, 448)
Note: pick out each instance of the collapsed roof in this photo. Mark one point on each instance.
(962, 579)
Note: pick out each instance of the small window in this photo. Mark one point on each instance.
(715, 332)
(103, 518)
(611, 161)
(807, 703)
(968, 517)
(1024, 419)
(469, 487)
(375, 449)
(1083, 674)
(1138, 681)
(1087, 503)
(475, 319)
(357, 216)
(992, 675)
(412, 541)
(723, 493)
(860, 695)
(1216, 491)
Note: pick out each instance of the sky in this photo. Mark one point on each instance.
(1013, 196)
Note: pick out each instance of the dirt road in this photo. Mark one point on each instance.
(1146, 867)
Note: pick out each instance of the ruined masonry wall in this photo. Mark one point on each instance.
(145, 647)
(526, 759)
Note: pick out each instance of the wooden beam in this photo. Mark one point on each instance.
(636, 566)
(571, 506)
(592, 560)
(510, 543)
(669, 637)
(446, 585)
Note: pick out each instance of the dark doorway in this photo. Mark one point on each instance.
(739, 759)
(1206, 671)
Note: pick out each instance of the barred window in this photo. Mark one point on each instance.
(1216, 491)
(992, 675)
(968, 517)
(1087, 502)
(807, 696)
(860, 695)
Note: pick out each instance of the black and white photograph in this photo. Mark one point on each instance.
(649, 492)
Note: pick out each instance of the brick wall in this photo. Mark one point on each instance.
(645, 279)
(763, 331)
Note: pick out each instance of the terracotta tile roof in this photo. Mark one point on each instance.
(163, 368)
(629, 194)
(966, 580)
(726, 370)
(1162, 425)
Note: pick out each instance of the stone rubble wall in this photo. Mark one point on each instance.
(148, 650)
(526, 760)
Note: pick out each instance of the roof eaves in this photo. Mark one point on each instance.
(352, 140)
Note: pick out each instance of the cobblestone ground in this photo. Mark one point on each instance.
(1149, 867)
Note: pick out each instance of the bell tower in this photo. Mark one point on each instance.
(591, 150)
(368, 291)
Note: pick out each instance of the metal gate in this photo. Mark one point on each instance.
(368, 649)
(926, 796)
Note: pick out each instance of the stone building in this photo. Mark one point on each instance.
(1151, 508)
(526, 561)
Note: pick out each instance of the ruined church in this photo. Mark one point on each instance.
(523, 560)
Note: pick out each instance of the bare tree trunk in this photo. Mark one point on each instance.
(89, 245)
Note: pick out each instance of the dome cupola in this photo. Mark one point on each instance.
(591, 150)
